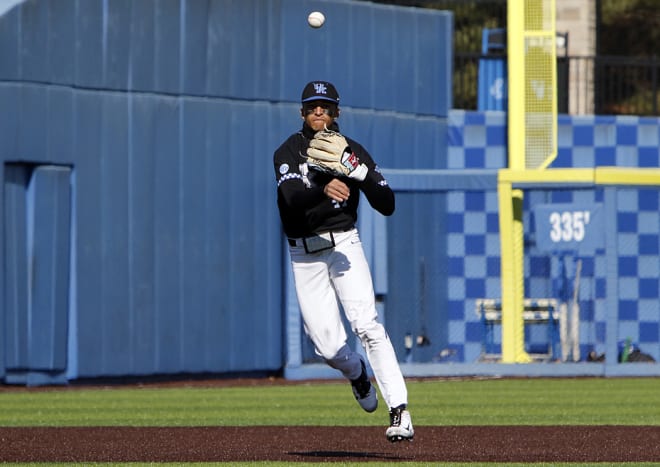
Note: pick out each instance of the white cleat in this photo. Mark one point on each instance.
(401, 428)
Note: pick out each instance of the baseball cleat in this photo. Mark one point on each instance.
(400, 428)
(365, 392)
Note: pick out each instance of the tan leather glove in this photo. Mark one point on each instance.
(329, 152)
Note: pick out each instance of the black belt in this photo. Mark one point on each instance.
(294, 241)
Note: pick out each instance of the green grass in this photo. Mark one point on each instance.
(584, 401)
(580, 401)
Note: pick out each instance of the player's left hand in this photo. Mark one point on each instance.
(329, 152)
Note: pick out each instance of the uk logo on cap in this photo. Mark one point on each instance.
(320, 88)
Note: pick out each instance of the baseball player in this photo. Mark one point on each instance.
(320, 174)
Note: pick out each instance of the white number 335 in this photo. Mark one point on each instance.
(568, 226)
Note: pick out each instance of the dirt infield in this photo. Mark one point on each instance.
(331, 444)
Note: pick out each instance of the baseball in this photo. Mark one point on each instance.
(316, 19)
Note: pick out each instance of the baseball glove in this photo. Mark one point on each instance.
(329, 152)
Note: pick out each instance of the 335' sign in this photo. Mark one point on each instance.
(569, 227)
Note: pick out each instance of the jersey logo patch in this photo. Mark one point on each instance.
(284, 168)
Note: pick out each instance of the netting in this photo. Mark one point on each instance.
(540, 116)
(540, 84)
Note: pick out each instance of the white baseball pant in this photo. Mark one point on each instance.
(342, 274)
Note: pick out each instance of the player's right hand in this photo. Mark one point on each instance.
(337, 190)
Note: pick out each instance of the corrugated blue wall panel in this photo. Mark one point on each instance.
(398, 140)
(10, 68)
(141, 53)
(268, 238)
(382, 56)
(430, 146)
(90, 39)
(167, 46)
(112, 218)
(193, 240)
(377, 54)
(245, 48)
(240, 226)
(34, 34)
(254, 232)
(244, 227)
(10, 98)
(117, 40)
(167, 235)
(142, 158)
(199, 195)
(35, 263)
(398, 31)
(14, 348)
(194, 43)
(242, 70)
(403, 143)
(222, 49)
(88, 167)
(434, 63)
(219, 269)
(33, 125)
(176, 109)
(61, 41)
(376, 132)
(417, 292)
(49, 268)
(60, 142)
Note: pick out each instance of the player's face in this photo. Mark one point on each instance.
(319, 114)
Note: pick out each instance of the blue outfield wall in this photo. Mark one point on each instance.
(163, 117)
(157, 121)
(476, 140)
(460, 251)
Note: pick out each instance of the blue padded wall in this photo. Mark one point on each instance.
(37, 222)
(49, 195)
(478, 140)
(379, 56)
(168, 113)
(15, 300)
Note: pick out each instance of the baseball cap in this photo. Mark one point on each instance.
(320, 90)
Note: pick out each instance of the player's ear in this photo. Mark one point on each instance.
(302, 113)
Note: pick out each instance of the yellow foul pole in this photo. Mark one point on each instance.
(510, 200)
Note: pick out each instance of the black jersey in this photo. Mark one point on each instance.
(304, 208)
